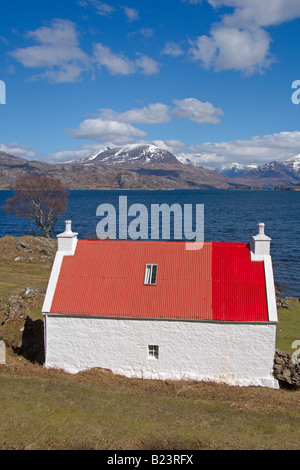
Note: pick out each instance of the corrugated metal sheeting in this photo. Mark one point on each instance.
(106, 278)
(239, 289)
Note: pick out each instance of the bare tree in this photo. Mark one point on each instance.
(40, 199)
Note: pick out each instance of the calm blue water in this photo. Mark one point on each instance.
(228, 216)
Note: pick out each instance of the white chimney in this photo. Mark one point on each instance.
(260, 244)
(67, 240)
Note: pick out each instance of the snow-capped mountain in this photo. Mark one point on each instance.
(273, 174)
(235, 169)
(293, 164)
(133, 154)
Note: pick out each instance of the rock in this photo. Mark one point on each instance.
(283, 303)
(286, 373)
(15, 308)
(44, 251)
(286, 370)
(15, 305)
(23, 258)
(23, 246)
(278, 360)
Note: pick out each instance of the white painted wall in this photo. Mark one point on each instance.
(232, 353)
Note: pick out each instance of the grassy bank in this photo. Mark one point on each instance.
(43, 409)
(288, 328)
(21, 267)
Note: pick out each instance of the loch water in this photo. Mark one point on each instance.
(229, 216)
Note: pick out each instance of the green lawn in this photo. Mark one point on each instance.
(288, 328)
(61, 412)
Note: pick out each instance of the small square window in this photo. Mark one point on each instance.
(150, 274)
(153, 351)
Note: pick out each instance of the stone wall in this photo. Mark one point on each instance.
(287, 369)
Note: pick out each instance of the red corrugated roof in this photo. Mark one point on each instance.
(238, 288)
(106, 278)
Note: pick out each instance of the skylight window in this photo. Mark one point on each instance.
(150, 274)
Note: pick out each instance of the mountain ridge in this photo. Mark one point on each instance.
(234, 169)
(140, 170)
(273, 174)
(145, 166)
(132, 154)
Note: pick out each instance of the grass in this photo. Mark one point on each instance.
(49, 409)
(36, 314)
(288, 328)
(96, 410)
(16, 275)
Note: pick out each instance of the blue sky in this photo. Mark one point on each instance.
(210, 80)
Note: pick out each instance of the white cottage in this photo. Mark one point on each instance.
(152, 309)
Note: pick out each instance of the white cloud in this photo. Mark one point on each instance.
(148, 65)
(260, 12)
(173, 49)
(259, 149)
(20, 150)
(66, 73)
(155, 113)
(117, 127)
(197, 111)
(239, 41)
(102, 9)
(152, 114)
(116, 64)
(102, 130)
(131, 13)
(146, 32)
(119, 64)
(72, 155)
(59, 53)
(229, 48)
(57, 50)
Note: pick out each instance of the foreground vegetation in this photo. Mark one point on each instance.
(288, 328)
(43, 409)
(48, 409)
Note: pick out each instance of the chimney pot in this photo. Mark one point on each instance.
(68, 224)
(261, 228)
